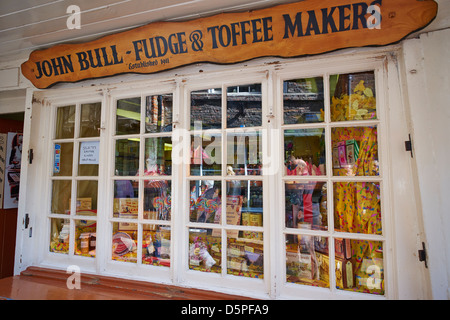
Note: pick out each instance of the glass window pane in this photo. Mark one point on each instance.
(357, 207)
(158, 156)
(352, 96)
(61, 194)
(156, 245)
(85, 238)
(127, 157)
(91, 114)
(65, 122)
(88, 158)
(304, 152)
(124, 242)
(244, 106)
(157, 199)
(59, 235)
(245, 203)
(245, 256)
(128, 116)
(307, 260)
(306, 205)
(205, 201)
(126, 199)
(359, 266)
(87, 195)
(158, 113)
(206, 155)
(205, 250)
(206, 109)
(303, 100)
(355, 151)
(63, 159)
(244, 153)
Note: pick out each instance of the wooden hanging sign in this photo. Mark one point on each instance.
(303, 28)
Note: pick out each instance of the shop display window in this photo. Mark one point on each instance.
(205, 201)
(206, 154)
(322, 201)
(307, 260)
(245, 254)
(244, 108)
(87, 197)
(205, 250)
(352, 151)
(124, 241)
(158, 113)
(244, 153)
(85, 238)
(75, 186)
(90, 120)
(142, 203)
(59, 235)
(359, 265)
(65, 122)
(156, 245)
(304, 151)
(128, 116)
(352, 96)
(63, 159)
(303, 100)
(306, 205)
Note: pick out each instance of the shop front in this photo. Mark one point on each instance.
(273, 178)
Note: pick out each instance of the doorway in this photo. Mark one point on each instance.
(11, 126)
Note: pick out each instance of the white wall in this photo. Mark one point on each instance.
(427, 69)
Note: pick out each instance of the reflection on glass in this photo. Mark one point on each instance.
(87, 193)
(245, 257)
(206, 154)
(63, 159)
(157, 199)
(127, 157)
(357, 207)
(156, 245)
(245, 203)
(158, 156)
(244, 153)
(65, 122)
(359, 266)
(355, 151)
(61, 191)
(90, 120)
(128, 116)
(353, 96)
(304, 151)
(307, 260)
(206, 108)
(85, 238)
(205, 201)
(158, 113)
(244, 106)
(88, 158)
(59, 235)
(126, 199)
(306, 205)
(303, 100)
(205, 250)
(124, 241)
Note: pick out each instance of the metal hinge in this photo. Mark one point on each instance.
(30, 156)
(408, 145)
(423, 255)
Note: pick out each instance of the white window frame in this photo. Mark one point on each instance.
(270, 73)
